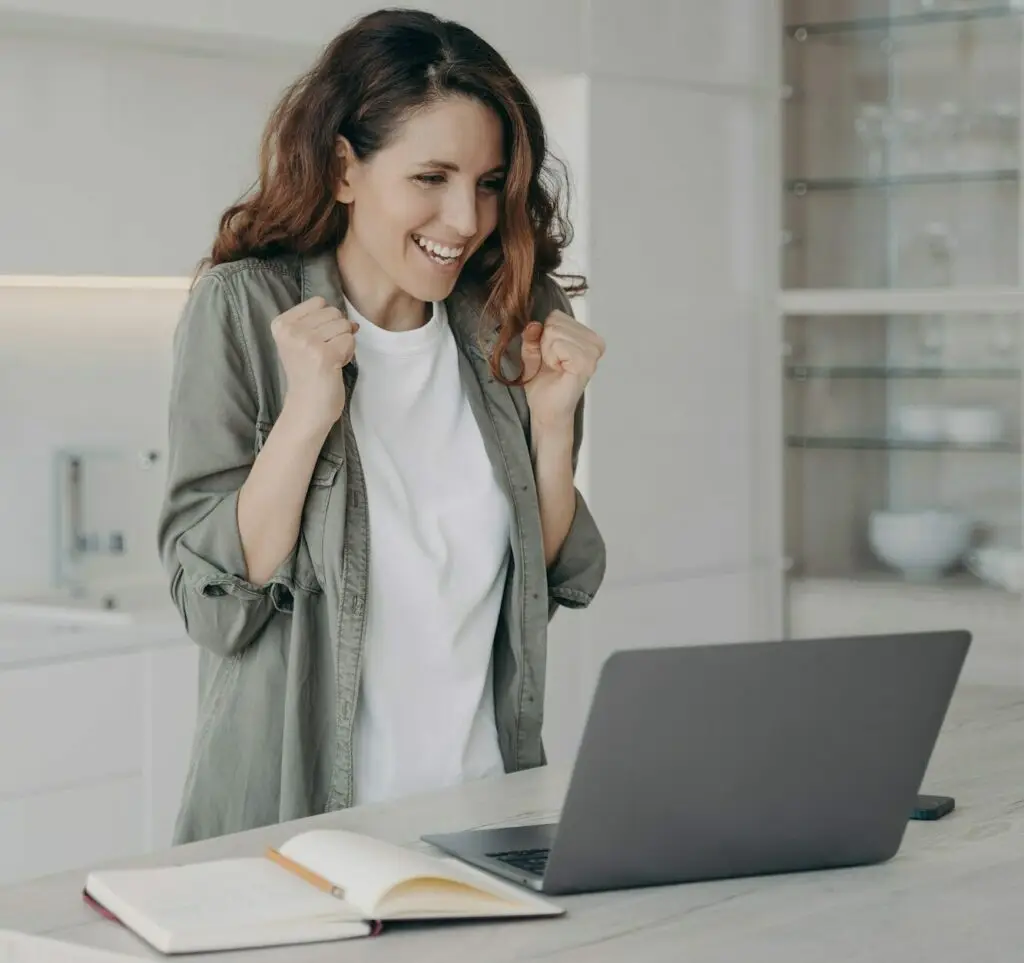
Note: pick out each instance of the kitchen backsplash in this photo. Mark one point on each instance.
(82, 370)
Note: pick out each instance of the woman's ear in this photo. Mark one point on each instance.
(343, 191)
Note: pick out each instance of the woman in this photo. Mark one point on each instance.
(374, 426)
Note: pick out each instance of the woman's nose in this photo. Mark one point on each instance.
(461, 213)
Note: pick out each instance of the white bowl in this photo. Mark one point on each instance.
(923, 544)
(974, 425)
(998, 565)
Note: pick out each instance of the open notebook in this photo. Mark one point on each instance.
(321, 885)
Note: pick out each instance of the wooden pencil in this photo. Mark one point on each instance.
(308, 875)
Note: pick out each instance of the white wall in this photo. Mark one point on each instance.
(681, 238)
(117, 160)
(85, 370)
(564, 105)
(532, 34)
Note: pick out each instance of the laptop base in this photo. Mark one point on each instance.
(515, 844)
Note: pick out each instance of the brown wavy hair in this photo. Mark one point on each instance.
(365, 83)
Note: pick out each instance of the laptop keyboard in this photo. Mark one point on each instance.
(530, 860)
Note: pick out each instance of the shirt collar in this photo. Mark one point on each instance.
(320, 276)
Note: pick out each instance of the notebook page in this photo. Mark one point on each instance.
(367, 868)
(219, 896)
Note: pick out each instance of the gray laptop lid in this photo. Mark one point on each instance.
(729, 760)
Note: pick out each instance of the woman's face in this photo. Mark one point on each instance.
(422, 205)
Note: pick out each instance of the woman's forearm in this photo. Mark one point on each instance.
(556, 490)
(271, 499)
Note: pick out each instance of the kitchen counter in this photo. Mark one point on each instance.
(25, 645)
(47, 629)
(952, 893)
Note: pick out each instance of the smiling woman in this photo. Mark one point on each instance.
(376, 416)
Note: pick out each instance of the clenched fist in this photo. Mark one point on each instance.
(315, 341)
(559, 359)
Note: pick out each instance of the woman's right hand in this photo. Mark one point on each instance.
(315, 341)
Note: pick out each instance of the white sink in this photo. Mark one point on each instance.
(64, 612)
(111, 605)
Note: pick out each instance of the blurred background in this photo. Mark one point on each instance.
(801, 221)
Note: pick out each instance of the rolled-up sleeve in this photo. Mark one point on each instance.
(212, 420)
(579, 568)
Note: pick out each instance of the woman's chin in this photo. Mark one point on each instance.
(431, 286)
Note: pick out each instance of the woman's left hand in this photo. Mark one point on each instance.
(559, 358)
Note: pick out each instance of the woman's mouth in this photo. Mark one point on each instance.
(443, 255)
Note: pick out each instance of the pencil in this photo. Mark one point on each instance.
(308, 875)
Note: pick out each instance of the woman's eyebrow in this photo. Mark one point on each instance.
(454, 168)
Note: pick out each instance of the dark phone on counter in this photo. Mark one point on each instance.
(932, 807)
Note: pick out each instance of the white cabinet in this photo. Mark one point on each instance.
(94, 751)
(171, 676)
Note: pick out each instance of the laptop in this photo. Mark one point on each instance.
(715, 761)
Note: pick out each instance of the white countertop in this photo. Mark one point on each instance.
(953, 892)
(46, 628)
(33, 644)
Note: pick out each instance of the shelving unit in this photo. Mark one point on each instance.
(886, 23)
(805, 372)
(802, 186)
(850, 443)
(902, 297)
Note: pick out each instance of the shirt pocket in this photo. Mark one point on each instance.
(326, 487)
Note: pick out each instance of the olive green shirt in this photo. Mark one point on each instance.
(280, 662)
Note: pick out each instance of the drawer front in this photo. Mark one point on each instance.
(69, 829)
(70, 723)
(172, 703)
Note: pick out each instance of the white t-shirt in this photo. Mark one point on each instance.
(440, 536)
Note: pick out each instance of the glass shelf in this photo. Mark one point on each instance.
(801, 32)
(806, 185)
(843, 443)
(908, 140)
(803, 372)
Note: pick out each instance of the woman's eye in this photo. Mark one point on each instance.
(494, 186)
(431, 179)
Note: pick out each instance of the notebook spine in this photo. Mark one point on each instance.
(99, 907)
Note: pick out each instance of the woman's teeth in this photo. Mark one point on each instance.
(438, 252)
